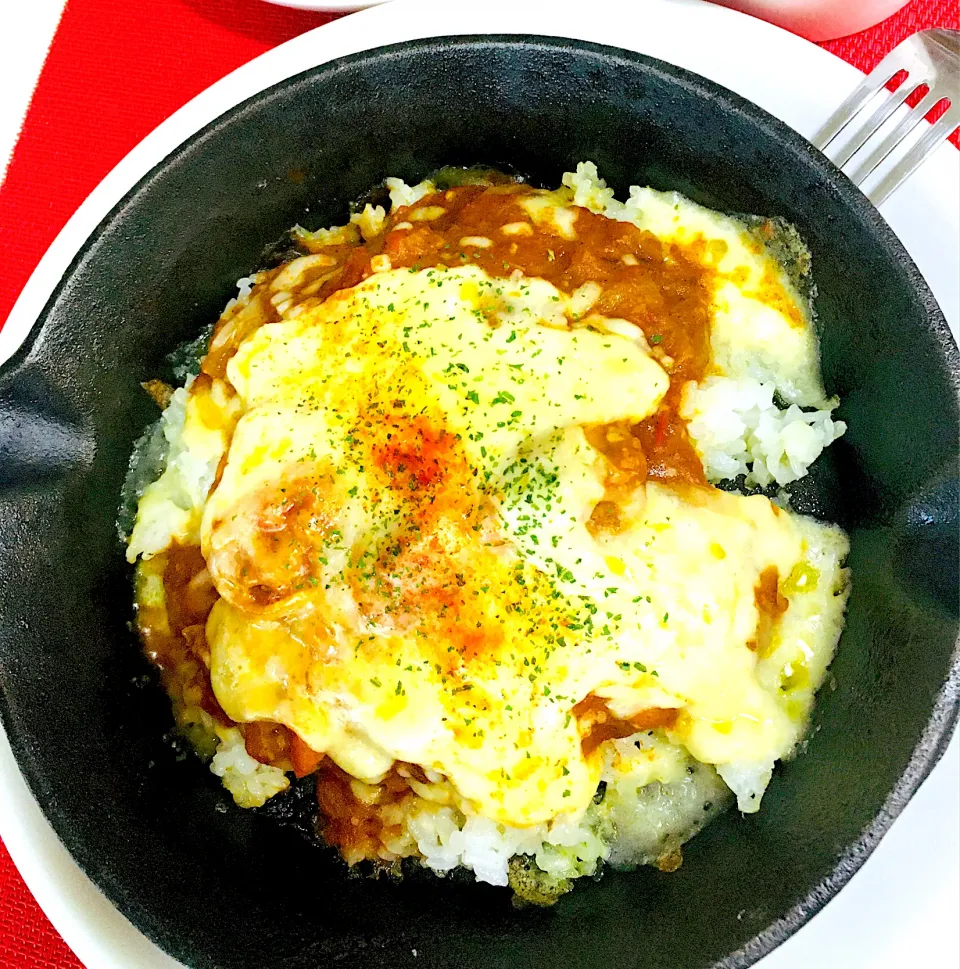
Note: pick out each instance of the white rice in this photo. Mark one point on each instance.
(370, 220)
(738, 430)
(402, 194)
(655, 798)
(251, 783)
(167, 505)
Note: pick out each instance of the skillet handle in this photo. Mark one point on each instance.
(41, 438)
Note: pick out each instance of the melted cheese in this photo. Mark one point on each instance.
(400, 540)
(761, 328)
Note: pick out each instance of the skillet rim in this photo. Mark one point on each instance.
(945, 710)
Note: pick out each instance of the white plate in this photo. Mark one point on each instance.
(901, 909)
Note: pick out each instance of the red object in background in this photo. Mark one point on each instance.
(114, 72)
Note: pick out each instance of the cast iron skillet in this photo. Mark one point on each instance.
(222, 888)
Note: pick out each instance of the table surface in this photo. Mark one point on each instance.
(97, 58)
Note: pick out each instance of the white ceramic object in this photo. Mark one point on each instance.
(900, 910)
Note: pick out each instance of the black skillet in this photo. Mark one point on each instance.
(222, 888)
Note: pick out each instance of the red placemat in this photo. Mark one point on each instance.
(114, 72)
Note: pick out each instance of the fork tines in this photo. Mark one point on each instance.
(930, 58)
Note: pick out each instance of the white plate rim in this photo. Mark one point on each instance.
(101, 937)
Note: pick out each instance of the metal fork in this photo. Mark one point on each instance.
(930, 57)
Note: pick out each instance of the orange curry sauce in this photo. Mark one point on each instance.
(664, 288)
